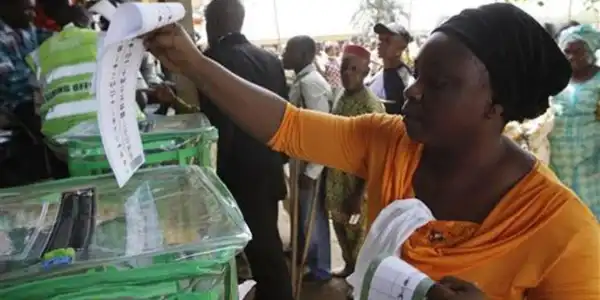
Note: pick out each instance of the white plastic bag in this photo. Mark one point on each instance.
(391, 229)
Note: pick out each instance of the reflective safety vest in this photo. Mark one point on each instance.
(65, 65)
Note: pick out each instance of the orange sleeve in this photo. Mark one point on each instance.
(334, 141)
(576, 274)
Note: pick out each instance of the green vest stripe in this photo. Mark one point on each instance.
(63, 124)
(65, 65)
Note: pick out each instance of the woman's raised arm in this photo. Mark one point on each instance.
(317, 137)
(337, 142)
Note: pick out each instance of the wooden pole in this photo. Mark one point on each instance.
(307, 229)
(294, 226)
(277, 29)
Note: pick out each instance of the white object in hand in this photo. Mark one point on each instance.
(245, 288)
(392, 227)
(119, 60)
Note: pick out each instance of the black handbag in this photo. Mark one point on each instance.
(73, 228)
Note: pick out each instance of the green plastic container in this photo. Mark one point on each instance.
(171, 140)
(167, 278)
(171, 233)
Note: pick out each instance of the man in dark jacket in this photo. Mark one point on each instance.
(252, 172)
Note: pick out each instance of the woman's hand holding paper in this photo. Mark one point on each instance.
(173, 46)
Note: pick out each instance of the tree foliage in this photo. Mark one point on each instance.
(371, 12)
(588, 4)
(591, 4)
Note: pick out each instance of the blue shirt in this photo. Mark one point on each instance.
(17, 80)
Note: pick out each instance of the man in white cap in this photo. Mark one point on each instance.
(390, 83)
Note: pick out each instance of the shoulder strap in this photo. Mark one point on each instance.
(405, 74)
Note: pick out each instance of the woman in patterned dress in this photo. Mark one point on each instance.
(575, 139)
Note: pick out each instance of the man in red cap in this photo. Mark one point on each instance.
(46, 13)
(345, 192)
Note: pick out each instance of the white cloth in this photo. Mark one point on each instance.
(311, 91)
(245, 288)
(391, 229)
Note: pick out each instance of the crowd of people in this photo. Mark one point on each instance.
(509, 225)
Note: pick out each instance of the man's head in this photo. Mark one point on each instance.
(17, 13)
(223, 17)
(300, 51)
(320, 47)
(72, 14)
(332, 49)
(103, 24)
(393, 40)
(355, 67)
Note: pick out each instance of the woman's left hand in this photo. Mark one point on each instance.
(462, 290)
(174, 47)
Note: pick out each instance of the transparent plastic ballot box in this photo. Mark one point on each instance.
(170, 232)
(187, 139)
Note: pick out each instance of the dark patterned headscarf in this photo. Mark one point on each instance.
(524, 63)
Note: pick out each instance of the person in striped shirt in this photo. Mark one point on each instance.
(18, 37)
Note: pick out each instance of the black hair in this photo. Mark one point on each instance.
(305, 45)
(229, 14)
(573, 23)
(71, 14)
(565, 26)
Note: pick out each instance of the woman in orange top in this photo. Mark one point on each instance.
(503, 219)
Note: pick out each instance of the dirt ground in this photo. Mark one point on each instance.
(336, 288)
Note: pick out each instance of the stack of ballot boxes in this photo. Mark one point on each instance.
(169, 233)
(167, 140)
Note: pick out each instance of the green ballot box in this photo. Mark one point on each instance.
(171, 233)
(167, 140)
